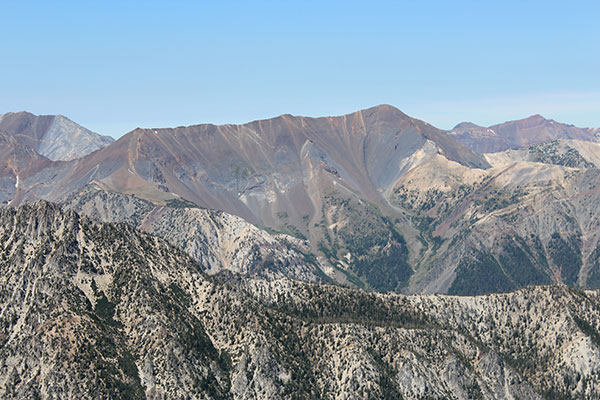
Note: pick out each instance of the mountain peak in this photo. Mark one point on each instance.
(525, 123)
(20, 114)
(383, 107)
(535, 118)
(466, 125)
(53, 136)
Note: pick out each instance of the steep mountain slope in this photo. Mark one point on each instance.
(23, 170)
(52, 136)
(531, 219)
(295, 175)
(263, 168)
(518, 134)
(17, 162)
(87, 312)
(514, 361)
(92, 310)
(386, 202)
(218, 241)
(518, 223)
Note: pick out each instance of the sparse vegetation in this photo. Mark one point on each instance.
(378, 254)
(199, 336)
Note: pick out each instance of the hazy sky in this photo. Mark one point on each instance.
(113, 66)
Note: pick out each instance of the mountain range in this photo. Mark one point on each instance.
(379, 200)
(300, 258)
(516, 134)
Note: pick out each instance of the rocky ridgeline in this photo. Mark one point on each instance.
(101, 310)
(530, 219)
(217, 240)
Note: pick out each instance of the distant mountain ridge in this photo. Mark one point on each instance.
(518, 134)
(53, 136)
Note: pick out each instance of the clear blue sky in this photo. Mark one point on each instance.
(113, 66)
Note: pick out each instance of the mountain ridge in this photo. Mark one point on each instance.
(386, 202)
(529, 131)
(93, 310)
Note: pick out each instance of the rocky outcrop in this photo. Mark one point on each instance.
(217, 240)
(100, 310)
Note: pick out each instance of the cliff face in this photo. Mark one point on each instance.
(93, 310)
